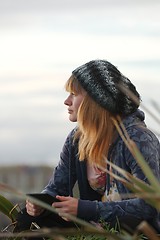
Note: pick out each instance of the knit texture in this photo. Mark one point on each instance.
(101, 80)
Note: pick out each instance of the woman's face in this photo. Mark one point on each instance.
(73, 102)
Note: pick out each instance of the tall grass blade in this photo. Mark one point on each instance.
(136, 186)
(155, 105)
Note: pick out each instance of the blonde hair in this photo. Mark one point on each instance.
(73, 86)
(95, 127)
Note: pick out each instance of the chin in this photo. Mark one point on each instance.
(72, 119)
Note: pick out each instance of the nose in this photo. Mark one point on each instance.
(67, 101)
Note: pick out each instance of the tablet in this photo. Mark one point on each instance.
(44, 197)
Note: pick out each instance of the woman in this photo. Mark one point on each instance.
(95, 99)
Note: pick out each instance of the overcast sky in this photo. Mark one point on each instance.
(42, 41)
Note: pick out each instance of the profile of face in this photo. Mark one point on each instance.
(73, 101)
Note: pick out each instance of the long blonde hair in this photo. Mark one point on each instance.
(95, 127)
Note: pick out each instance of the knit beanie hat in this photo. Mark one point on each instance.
(101, 80)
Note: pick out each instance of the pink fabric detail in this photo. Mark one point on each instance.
(96, 178)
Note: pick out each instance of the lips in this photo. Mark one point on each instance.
(70, 111)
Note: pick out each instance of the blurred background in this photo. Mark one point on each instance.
(41, 42)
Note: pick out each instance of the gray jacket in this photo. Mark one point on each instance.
(90, 206)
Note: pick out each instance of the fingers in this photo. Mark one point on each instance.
(62, 198)
(67, 205)
(33, 209)
(64, 201)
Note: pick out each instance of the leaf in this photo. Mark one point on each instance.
(8, 208)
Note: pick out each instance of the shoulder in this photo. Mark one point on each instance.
(143, 136)
(70, 144)
(70, 136)
(137, 130)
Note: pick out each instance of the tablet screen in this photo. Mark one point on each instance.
(45, 197)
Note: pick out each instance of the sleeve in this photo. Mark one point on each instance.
(64, 175)
(132, 207)
(110, 211)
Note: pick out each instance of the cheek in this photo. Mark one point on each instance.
(79, 101)
(77, 105)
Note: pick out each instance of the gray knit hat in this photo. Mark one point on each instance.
(101, 80)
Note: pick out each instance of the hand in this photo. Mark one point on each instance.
(67, 205)
(32, 209)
